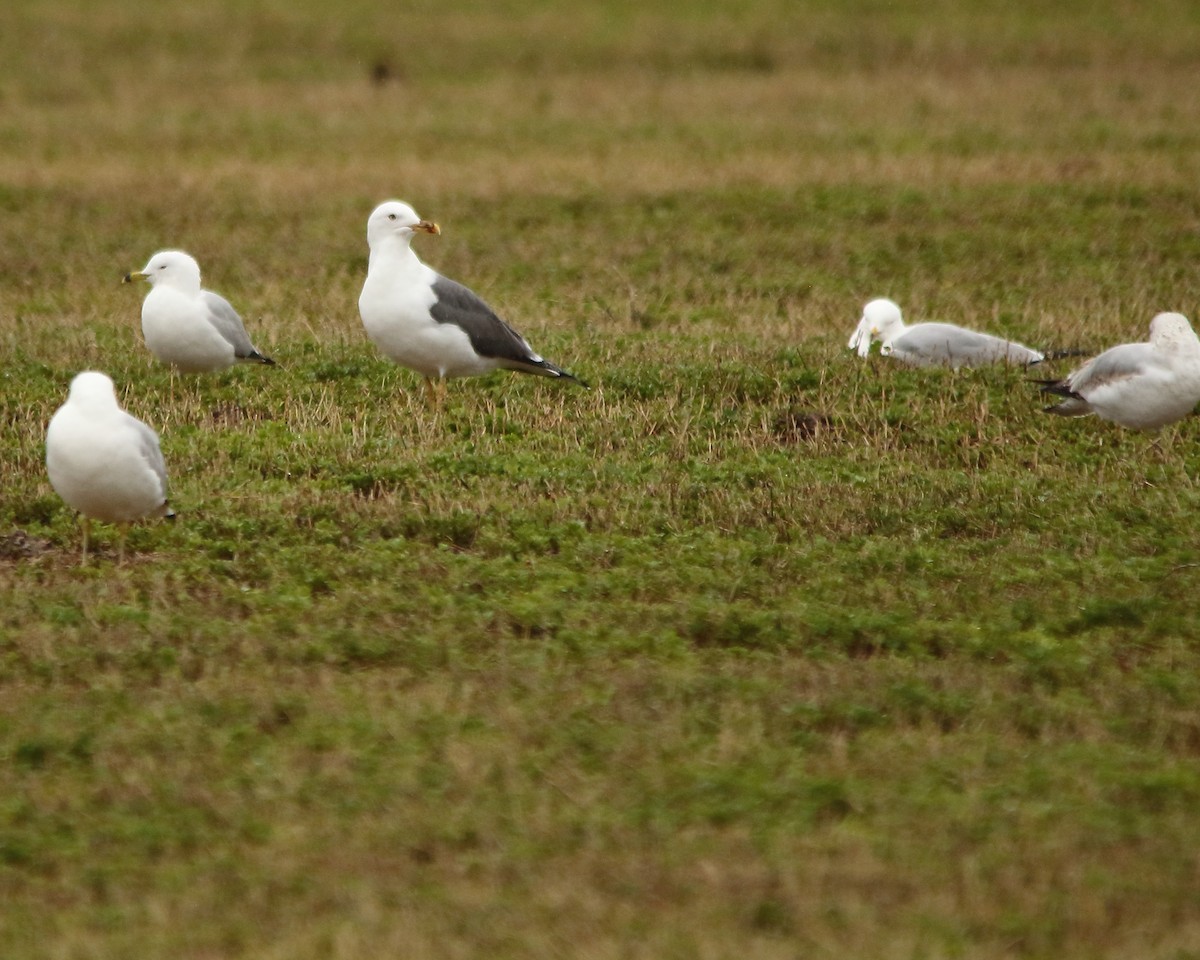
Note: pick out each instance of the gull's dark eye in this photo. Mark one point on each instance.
(162, 266)
(391, 216)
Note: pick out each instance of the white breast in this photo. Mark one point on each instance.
(177, 332)
(394, 306)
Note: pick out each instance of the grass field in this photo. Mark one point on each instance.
(645, 671)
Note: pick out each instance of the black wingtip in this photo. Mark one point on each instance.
(259, 358)
(548, 369)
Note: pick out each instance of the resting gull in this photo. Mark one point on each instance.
(193, 330)
(103, 462)
(1143, 386)
(429, 323)
(933, 344)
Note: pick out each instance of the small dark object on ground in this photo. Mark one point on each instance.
(798, 423)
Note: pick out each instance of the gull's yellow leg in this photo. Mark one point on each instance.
(430, 393)
(87, 528)
(124, 529)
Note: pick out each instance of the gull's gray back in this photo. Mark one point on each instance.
(227, 322)
(944, 344)
(490, 335)
(149, 447)
(1114, 364)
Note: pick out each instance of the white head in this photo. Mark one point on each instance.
(174, 268)
(93, 391)
(1171, 331)
(396, 219)
(881, 320)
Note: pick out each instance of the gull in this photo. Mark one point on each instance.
(103, 462)
(193, 330)
(933, 344)
(1142, 386)
(428, 323)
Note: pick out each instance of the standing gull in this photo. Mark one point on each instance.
(103, 462)
(933, 344)
(1143, 386)
(427, 322)
(194, 330)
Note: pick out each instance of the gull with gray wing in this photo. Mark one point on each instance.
(104, 462)
(429, 323)
(193, 330)
(933, 344)
(1143, 386)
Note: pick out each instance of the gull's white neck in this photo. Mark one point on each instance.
(395, 251)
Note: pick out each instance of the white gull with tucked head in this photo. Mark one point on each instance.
(103, 462)
(1143, 386)
(194, 330)
(426, 322)
(933, 344)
